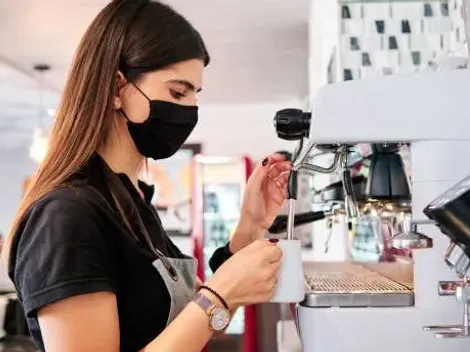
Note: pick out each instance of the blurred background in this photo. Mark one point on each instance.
(267, 55)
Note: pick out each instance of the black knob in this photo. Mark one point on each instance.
(292, 124)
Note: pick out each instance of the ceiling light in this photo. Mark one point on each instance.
(40, 142)
(39, 147)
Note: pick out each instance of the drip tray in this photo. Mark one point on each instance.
(352, 285)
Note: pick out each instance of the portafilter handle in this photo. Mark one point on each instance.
(461, 291)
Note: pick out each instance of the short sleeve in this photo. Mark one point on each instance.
(61, 251)
(220, 256)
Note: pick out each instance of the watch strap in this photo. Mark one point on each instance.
(203, 302)
(207, 288)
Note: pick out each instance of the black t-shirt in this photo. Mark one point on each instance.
(72, 242)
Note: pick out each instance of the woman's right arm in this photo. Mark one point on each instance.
(90, 323)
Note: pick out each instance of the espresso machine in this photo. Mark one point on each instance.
(351, 306)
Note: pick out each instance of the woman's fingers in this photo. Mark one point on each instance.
(276, 157)
(281, 180)
(271, 167)
(278, 168)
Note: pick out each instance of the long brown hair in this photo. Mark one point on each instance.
(131, 36)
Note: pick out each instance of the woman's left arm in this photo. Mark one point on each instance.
(265, 193)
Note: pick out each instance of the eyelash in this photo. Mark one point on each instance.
(176, 95)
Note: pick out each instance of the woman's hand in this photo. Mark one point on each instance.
(265, 193)
(249, 276)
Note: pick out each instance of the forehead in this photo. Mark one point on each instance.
(190, 70)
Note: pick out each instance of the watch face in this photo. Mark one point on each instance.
(219, 319)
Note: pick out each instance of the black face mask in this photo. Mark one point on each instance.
(165, 130)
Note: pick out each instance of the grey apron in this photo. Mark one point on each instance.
(180, 283)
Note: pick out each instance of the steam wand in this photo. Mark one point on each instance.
(292, 188)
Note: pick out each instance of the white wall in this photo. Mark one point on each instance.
(323, 41)
(15, 166)
(224, 130)
(227, 130)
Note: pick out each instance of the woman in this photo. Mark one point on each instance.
(92, 265)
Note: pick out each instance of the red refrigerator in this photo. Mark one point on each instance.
(218, 184)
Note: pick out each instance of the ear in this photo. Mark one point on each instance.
(120, 83)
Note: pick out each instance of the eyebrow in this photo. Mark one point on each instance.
(186, 83)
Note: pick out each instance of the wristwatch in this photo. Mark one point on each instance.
(219, 317)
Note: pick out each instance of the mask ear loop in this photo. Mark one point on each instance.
(141, 92)
(124, 114)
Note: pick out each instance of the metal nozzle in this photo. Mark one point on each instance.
(411, 239)
(350, 203)
(290, 219)
(292, 188)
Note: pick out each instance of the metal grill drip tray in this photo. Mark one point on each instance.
(352, 285)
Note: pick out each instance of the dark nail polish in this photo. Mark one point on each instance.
(265, 162)
(273, 240)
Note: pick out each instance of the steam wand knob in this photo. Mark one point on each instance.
(292, 124)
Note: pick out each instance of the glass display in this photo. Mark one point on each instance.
(368, 242)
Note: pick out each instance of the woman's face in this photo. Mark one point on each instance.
(179, 83)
